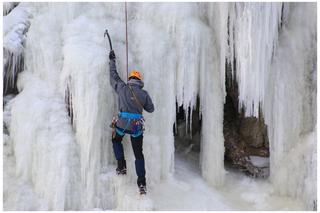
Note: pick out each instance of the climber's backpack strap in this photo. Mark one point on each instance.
(135, 98)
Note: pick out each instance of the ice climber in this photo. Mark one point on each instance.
(132, 99)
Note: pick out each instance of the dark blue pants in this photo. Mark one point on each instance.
(136, 143)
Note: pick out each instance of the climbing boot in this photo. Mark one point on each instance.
(122, 171)
(122, 167)
(142, 189)
(141, 182)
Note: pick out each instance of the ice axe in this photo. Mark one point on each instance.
(106, 33)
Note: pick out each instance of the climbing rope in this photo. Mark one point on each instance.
(126, 38)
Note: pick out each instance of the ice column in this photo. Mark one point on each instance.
(191, 68)
(92, 102)
(44, 144)
(290, 108)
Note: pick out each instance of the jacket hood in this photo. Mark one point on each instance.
(137, 82)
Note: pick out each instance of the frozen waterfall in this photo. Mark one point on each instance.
(59, 135)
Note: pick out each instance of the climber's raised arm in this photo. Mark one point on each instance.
(116, 82)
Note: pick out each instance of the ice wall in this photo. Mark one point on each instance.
(43, 142)
(182, 55)
(290, 109)
(177, 56)
(74, 60)
(274, 46)
(255, 40)
(193, 71)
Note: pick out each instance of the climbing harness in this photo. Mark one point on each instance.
(135, 119)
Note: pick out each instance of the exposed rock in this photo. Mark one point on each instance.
(244, 136)
(252, 131)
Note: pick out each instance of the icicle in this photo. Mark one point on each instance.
(256, 36)
(289, 107)
(188, 50)
(190, 122)
(231, 29)
(16, 23)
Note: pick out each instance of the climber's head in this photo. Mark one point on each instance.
(135, 74)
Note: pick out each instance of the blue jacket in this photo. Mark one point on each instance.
(126, 100)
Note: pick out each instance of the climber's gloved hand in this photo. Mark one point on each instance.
(112, 56)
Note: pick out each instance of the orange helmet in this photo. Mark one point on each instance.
(135, 73)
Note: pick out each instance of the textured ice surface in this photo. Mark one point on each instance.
(43, 141)
(274, 48)
(279, 79)
(15, 25)
(181, 55)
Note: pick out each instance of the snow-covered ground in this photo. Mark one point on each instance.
(51, 163)
(187, 190)
(184, 190)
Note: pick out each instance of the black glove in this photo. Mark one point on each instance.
(112, 56)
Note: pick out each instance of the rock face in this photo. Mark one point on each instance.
(253, 132)
(244, 136)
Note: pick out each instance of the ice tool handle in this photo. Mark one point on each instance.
(106, 33)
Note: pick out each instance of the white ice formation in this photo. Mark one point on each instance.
(15, 25)
(181, 49)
